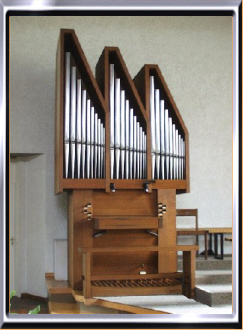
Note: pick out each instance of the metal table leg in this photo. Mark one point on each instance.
(216, 246)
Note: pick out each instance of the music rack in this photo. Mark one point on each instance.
(122, 192)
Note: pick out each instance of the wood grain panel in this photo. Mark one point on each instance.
(124, 263)
(139, 222)
(125, 203)
(130, 238)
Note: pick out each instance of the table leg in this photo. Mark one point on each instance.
(206, 246)
(210, 242)
(216, 246)
(222, 245)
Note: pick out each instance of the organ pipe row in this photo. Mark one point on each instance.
(168, 146)
(127, 136)
(84, 132)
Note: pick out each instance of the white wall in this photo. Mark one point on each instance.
(28, 212)
(195, 57)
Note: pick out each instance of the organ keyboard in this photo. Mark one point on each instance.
(122, 154)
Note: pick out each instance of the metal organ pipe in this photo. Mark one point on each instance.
(84, 132)
(117, 132)
(67, 113)
(79, 128)
(167, 144)
(73, 119)
(127, 134)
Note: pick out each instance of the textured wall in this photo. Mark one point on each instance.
(195, 57)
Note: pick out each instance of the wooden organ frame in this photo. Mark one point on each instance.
(122, 242)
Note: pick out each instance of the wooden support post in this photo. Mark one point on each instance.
(80, 234)
(189, 259)
(167, 259)
(87, 275)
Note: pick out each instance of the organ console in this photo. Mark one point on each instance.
(122, 155)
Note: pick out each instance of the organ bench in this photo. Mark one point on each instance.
(122, 153)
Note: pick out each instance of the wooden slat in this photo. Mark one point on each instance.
(223, 230)
(126, 223)
(134, 277)
(83, 184)
(136, 291)
(140, 249)
(130, 237)
(188, 231)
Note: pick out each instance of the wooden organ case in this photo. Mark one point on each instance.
(122, 155)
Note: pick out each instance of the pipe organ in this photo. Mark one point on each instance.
(122, 155)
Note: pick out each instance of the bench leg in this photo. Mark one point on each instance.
(189, 266)
(87, 274)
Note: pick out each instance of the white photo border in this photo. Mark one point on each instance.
(19, 321)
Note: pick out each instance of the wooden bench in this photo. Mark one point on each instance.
(218, 232)
(186, 287)
(192, 231)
